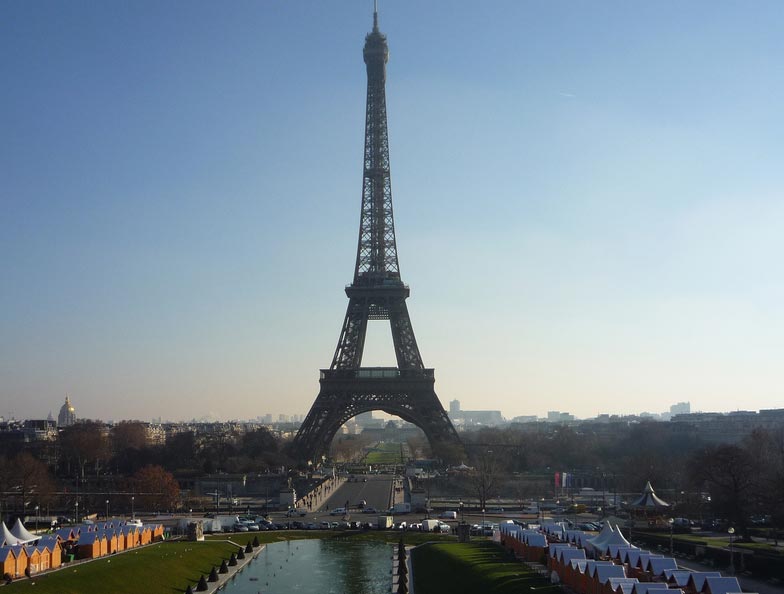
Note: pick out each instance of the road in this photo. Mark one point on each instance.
(373, 488)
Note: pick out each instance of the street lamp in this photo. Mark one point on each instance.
(107, 510)
(483, 520)
(731, 532)
(36, 519)
(671, 521)
(77, 512)
(462, 516)
(133, 515)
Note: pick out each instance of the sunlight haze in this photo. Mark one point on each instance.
(588, 203)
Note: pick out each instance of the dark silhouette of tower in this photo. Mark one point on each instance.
(377, 293)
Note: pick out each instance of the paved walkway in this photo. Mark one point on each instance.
(397, 578)
(224, 578)
(320, 494)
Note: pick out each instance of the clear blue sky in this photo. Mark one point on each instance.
(588, 199)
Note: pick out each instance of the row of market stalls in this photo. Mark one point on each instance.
(23, 553)
(606, 563)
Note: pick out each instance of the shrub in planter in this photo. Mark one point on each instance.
(233, 560)
(202, 585)
(213, 576)
(223, 568)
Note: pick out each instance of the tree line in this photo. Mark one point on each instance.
(90, 462)
(741, 484)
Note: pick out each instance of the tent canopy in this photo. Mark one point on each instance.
(649, 500)
(22, 533)
(7, 539)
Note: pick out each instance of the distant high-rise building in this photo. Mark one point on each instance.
(454, 406)
(682, 408)
(554, 416)
(67, 416)
(364, 419)
(283, 418)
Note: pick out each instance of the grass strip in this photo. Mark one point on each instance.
(163, 568)
(384, 453)
(473, 567)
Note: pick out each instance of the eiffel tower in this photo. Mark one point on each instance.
(377, 293)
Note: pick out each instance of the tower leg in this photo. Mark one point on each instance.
(414, 401)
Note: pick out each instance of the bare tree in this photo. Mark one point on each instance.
(85, 443)
(729, 473)
(485, 475)
(157, 488)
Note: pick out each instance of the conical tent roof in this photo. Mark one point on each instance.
(22, 533)
(609, 536)
(648, 499)
(616, 539)
(6, 538)
(600, 541)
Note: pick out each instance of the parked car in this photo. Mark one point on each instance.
(681, 525)
(338, 511)
(369, 510)
(240, 527)
(448, 515)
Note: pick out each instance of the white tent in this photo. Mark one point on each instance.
(6, 538)
(609, 537)
(22, 533)
(648, 499)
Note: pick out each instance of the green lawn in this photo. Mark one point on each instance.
(163, 568)
(473, 567)
(384, 453)
(722, 542)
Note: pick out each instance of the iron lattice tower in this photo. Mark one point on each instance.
(376, 293)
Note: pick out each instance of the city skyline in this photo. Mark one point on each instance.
(588, 204)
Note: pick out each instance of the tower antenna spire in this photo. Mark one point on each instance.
(375, 15)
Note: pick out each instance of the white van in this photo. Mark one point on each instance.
(448, 515)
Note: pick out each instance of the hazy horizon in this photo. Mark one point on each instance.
(588, 203)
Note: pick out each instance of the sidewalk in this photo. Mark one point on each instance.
(224, 578)
(320, 494)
